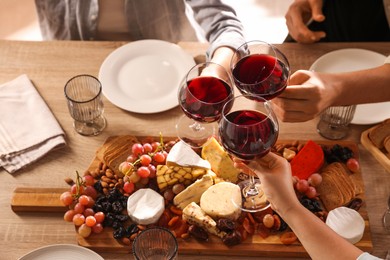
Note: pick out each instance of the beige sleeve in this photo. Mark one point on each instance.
(387, 60)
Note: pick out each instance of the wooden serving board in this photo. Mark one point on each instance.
(47, 200)
(377, 153)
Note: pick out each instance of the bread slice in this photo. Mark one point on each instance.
(336, 188)
(378, 134)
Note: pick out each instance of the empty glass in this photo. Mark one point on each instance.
(334, 121)
(155, 243)
(83, 94)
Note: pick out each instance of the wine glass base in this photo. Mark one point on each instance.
(253, 199)
(91, 128)
(194, 133)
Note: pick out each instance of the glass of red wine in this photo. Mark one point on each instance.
(260, 69)
(248, 129)
(202, 94)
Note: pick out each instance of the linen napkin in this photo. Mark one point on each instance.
(28, 129)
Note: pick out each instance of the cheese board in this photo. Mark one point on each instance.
(44, 200)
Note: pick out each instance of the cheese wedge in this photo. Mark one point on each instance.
(220, 161)
(346, 222)
(219, 201)
(193, 192)
(145, 206)
(194, 215)
(183, 155)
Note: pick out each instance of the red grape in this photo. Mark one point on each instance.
(311, 192)
(159, 157)
(147, 148)
(89, 180)
(302, 185)
(84, 200)
(69, 214)
(353, 165)
(145, 159)
(99, 216)
(143, 172)
(90, 221)
(66, 198)
(137, 149)
(315, 179)
(128, 187)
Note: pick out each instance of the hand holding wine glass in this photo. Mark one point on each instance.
(202, 94)
(260, 69)
(248, 129)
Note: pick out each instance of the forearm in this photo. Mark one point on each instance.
(366, 86)
(320, 241)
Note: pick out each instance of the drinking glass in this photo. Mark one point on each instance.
(260, 69)
(83, 95)
(334, 121)
(248, 129)
(155, 243)
(202, 94)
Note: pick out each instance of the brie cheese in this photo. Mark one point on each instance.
(346, 222)
(145, 206)
(182, 154)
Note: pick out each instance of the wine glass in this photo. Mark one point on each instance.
(260, 69)
(202, 94)
(248, 129)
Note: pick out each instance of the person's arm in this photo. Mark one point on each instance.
(319, 240)
(221, 27)
(309, 93)
(299, 14)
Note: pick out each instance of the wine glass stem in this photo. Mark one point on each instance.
(252, 189)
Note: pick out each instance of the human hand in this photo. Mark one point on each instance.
(276, 180)
(297, 17)
(307, 95)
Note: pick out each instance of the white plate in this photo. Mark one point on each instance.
(144, 76)
(62, 252)
(345, 60)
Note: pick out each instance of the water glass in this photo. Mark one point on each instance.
(83, 95)
(155, 243)
(334, 121)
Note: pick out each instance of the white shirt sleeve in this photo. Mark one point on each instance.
(367, 256)
(387, 60)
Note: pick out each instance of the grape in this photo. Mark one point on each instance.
(134, 177)
(84, 200)
(353, 165)
(99, 216)
(137, 149)
(143, 172)
(90, 221)
(131, 158)
(159, 157)
(144, 181)
(147, 148)
(89, 212)
(128, 187)
(78, 208)
(77, 190)
(315, 179)
(66, 198)
(302, 185)
(177, 188)
(88, 180)
(91, 192)
(69, 214)
(155, 146)
(152, 170)
(125, 167)
(268, 220)
(78, 219)
(169, 195)
(145, 159)
(311, 192)
(84, 230)
(98, 228)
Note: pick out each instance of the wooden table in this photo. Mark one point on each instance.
(50, 64)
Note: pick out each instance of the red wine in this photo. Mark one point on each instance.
(204, 97)
(248, 134)
(262, 75)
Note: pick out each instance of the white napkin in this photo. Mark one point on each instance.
(28, 129)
